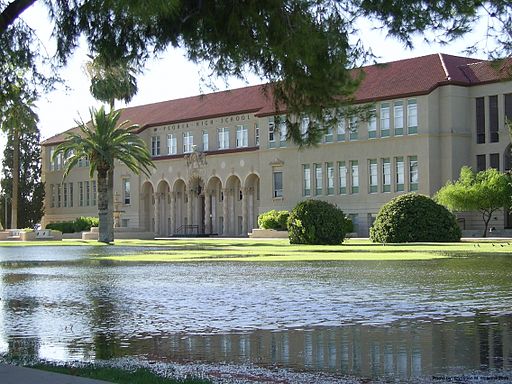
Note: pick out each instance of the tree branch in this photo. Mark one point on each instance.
(12, 12)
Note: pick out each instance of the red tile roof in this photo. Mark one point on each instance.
(416, 76)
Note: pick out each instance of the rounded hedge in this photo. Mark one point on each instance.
(78, 225)
(274, 220)
(316, 222)
(414, 218)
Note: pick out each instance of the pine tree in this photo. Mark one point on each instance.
(31, 188)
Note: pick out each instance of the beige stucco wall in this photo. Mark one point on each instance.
(445, 141)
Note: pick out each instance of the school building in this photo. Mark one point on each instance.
(223, 158)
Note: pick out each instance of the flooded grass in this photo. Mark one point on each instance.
(116, 375)
(281, 250)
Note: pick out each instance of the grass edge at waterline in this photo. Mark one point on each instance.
(115, 375)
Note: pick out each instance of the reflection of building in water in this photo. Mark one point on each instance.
(401, 350)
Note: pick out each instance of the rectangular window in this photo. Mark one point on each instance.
(306, 180)
(87, 187)
(413, 173)
(318, 179)
(282, 130)
(205, 141)
(340, 130)
(83, 162)
(70, 194)
(126, 192)
(480, 163)
(480, 120)
(493, 119)
(59, 195)
(304, 126)
(65, 194)
(508, 107)
(278, 183)
(188, 142)
(242, 136)
(155, 145)
(58, 161)
(412, 117)
(330, 178)
(223, 138)
(384, 120)
(94, 192)
(398, 113)
(328, 137)
(52, 164)
(271, 132)
(386, 175)
(354, 135)
(373, 176)
(494, 161)
(257, 134)
(52, 196)
(342, 174)
(400, 174)
(81, 193)
(172, 147)
(354, 172)
(372, 124)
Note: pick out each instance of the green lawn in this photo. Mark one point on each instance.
(251, 250)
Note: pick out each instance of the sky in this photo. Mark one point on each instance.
(172, 76)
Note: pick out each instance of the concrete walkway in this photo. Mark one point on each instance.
(12, 374)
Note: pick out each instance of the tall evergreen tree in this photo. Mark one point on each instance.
(31, 188)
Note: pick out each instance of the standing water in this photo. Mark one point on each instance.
(446, 318)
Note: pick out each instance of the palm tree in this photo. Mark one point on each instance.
(103, 141)
(111, 80)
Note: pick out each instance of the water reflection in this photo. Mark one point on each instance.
(405, 350)
(370, 319)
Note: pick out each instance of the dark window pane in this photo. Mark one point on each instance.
(480, 163)
(480, 120)
(493, 119)
(494, 160)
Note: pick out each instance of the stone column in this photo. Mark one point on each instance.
(157, 213)
(244, 211)
(225, 227)
(189, 208)
(207, 197)
(172, 213)
(233, 222)
(250, 203)
(214, 212)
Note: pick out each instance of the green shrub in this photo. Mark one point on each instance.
(274, 220)
(349, 225)
(80, 224)
(316, 222)
(85, 223)
(412, 218)
(63, 226)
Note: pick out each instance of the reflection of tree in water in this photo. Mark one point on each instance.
(22, 347)
(104, 310)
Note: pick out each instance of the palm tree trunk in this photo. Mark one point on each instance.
(103, 207)
(110, 193)
(15, 177)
